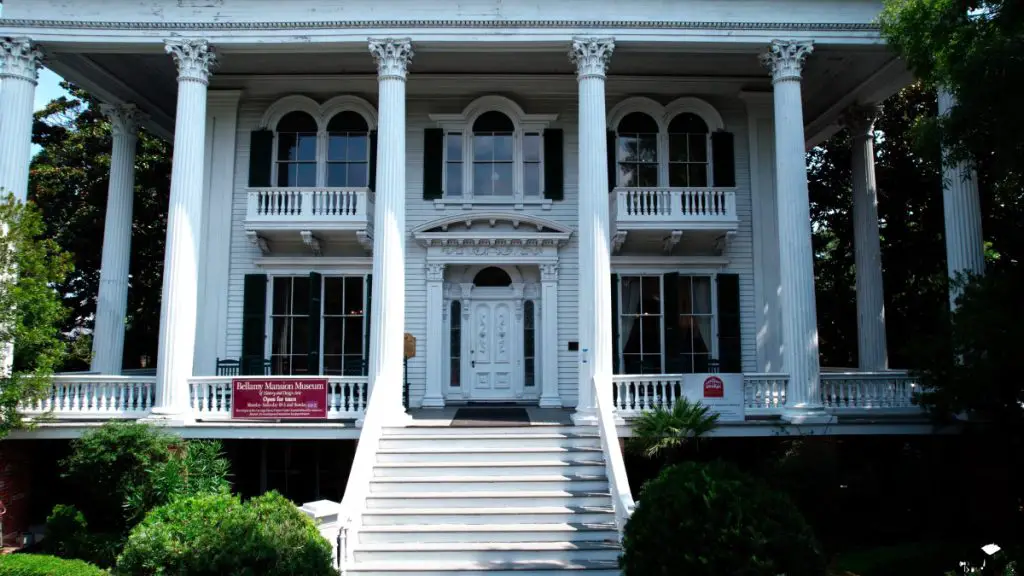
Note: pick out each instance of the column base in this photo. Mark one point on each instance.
(167, 417)
(550, 402)
(584, 417)
(432, 402)
(816, 416)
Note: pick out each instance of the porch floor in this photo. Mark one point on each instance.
(442, 417)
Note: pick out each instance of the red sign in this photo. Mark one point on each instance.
(713, 387)
(277, 399)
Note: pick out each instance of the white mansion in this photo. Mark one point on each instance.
(589, 208)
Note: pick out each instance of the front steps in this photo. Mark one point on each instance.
(523, 501)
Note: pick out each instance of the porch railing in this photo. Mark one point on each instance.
(310, 204)
(94, 396)
(210, 397)
(655, 204)
(869, 391)
(615, 466)
(764, 393)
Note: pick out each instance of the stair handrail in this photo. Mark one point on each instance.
(615, 465)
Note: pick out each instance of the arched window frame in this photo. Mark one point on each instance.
(322, 115)
(664, 115)
(462, 125)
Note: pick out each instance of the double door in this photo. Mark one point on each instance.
(494, 356)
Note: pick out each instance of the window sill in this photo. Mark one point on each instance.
(515, 203)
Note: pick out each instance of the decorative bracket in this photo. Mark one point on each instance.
(723, 242)
(258, 241)
(672, 240)
(312, 241)
(618, 239)
(365, 239)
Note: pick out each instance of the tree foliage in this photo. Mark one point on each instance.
(31, 311)
(69, 179)
(662, 432)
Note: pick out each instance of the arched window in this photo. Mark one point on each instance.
(296, 150)
(688, 151)
(492, 276)
(455, 344)
(348, 151)
(637, 150)
(493, 161)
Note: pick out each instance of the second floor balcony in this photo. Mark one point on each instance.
(317, 216)
(669, 213)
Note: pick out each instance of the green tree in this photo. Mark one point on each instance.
(68, 180)
(31, 311)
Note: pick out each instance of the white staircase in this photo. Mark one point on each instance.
(531, 500)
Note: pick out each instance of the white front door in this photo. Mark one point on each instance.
(495, 360)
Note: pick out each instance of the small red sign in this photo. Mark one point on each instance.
(277, 399)
(713, 387)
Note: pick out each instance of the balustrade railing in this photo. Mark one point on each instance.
(764, 393)
(862, 391)
(615, 466)
(94, 396)
(637, 393)
(310, 204)
(210, 397)
(664, 204)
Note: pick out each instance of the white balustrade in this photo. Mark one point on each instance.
(615, 466)
(310, 205)
(73, 396)
(869, 391)
(764, 393)
(210, 397)
(637, 393)
(679, 205)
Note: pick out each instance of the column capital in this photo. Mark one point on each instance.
(860, 120)
(393, 56)
(195, 58)
(124, 118)
(785, 58)
(20, 58)
(591, 56)
(549, 272)
(435, 272)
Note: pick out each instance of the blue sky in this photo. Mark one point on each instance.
(48, 88)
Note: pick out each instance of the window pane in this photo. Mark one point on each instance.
(651, 294)
(354, 335)
(698, 148)
(483, 148)
(701, 295)
(286, 174)
(358, 148)
(631, 364)
(648, 175)
(358, 175)
(685, 298)
(332, 365)
(528, 344)
(482, 175)
(631, 330)
(677, 175)
(307, 147)
(300, 335)
(702, 334)
(332, 295)
(300, 295)
(306, 175)
(299, 364)
(531, 179)
(627, 175)
(337, 174)
(530, 373)
(651, 364)
(528, 315)
(453, 186)
(628, 149)
(354, 295)
(685, 334)
(673, 338)
(698, 175)
(353, 365)
(453, 145)
(648, 148)
(281, 336)
(332, 335)
(503, 147)
(287, 148)
(282, 295)
(337, 149)
(651, 332)
(503, 179)
(700, 363)
(531, 147)
(677, 148)
(456, 366)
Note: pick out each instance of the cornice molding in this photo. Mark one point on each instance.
(426, 24)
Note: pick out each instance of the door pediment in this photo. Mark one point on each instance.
(492, 233)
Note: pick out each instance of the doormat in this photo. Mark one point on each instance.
(473, 417)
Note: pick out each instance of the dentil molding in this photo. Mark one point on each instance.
(785, 58)
(195, 58)
(591, 56)
(392, 55)
(20, 58)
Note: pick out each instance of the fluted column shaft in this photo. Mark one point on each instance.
(387, 327)
(19, 70)
(591, 56)
(195, 60)
(961, 206)
(871, 340)
(112, 303)
(799, 321)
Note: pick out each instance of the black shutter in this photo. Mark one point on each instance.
(433, 163)
(373, 161)
(723, 158)
(616, 369)
(261, 153)
(729, 349)
(554, 174)
(315, 286)
(254, 323)
(674, 343)
(613, 168)
(366, 345)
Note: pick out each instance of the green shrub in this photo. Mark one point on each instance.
(664, 433)
(36, 565)
(217, 534)
(711, 519)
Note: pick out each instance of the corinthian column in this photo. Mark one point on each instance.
(796, 262)
(871, 346)
(108, 335)
(591, 56)
(195, 60)
(19, 69)
(961, 206)
(387, 328)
